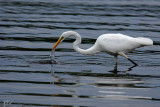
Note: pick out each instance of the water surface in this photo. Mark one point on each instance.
(29, 29)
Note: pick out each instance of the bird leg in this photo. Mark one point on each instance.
(115, 68)
(116, 59)
(122, 54)
(132, 62)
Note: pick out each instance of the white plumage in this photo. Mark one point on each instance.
(113, 44)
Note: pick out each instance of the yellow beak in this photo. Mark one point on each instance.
(57, 43)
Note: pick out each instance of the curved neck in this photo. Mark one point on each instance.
(91, 50)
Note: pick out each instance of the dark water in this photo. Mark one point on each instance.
(29, 29)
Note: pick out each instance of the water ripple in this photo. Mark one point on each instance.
(30, 28)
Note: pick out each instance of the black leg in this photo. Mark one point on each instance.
(132, 62)
(115, 68)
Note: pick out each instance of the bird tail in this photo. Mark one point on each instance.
(144, 41)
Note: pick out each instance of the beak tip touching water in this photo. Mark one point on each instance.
(52, 50)
(57, 43)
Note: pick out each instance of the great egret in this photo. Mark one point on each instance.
(113, 44)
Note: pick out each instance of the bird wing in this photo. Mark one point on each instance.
(115, 43)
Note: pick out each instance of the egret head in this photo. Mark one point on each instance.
(64, 36)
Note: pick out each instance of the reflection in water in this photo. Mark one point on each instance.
(124, 97)
(61, 82)
(107, 86)
(52, 56)
(115, 71)
(30, 28)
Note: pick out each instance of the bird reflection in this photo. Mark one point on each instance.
(115, 71)
(58, 80)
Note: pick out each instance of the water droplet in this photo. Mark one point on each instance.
(52, 56)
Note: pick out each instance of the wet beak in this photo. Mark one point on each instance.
(57, 43)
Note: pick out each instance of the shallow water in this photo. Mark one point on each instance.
(29, 29)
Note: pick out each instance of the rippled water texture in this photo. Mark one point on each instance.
(29, 29)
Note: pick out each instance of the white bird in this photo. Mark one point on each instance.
(113, 44)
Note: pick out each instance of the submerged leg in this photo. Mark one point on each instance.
(122, 54)
(115, 68)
